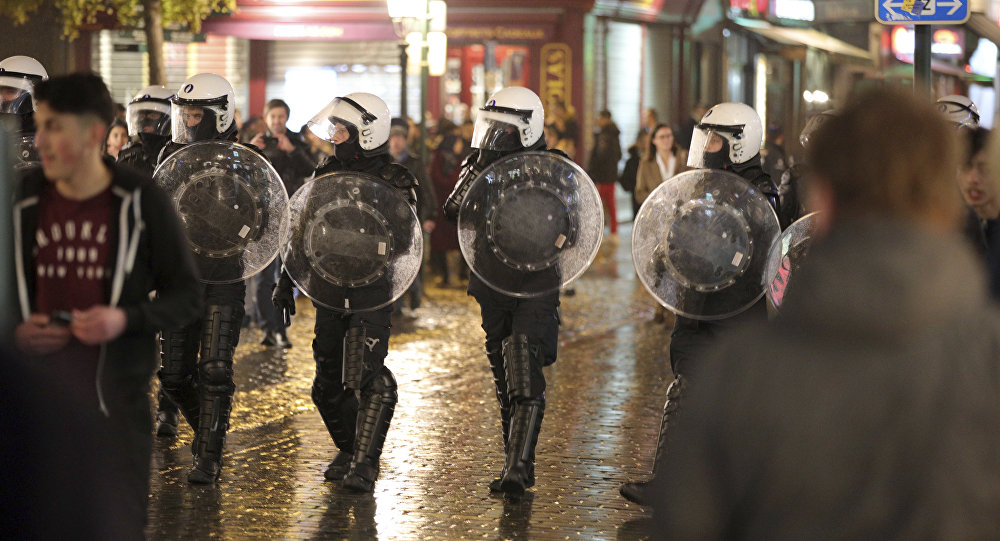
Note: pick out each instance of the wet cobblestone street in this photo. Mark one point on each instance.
(604, 399)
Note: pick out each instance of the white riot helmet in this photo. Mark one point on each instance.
(149, 111)
(814, 123)
(18, 77)
(729, 134)
(365, 116)
(513, 119)
(202, 109)
(959, 110)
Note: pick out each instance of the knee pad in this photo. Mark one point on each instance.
(216, 376)
(384, 385)
(221, 331)
(523, 368)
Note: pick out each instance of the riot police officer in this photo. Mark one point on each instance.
(353, 390)
(18, 76)
(521, 333)
(148, 120)
(727, 138)
(203, 387)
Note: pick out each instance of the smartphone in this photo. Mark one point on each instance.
(61, 317)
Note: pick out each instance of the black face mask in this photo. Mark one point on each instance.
(718, 159)
(348, 150)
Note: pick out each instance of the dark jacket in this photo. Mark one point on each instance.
(426, 197)
(631, 170)
(293, 167)
(867, 410)
(603, 164)
(149, 252)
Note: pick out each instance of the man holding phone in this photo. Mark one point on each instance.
(91, 242)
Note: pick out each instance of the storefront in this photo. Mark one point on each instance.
(308, 51)
(121, 58)
(777, 59)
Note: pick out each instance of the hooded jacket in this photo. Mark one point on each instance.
(149, 252)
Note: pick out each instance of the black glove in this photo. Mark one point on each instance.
(470, 170)
(283, 298)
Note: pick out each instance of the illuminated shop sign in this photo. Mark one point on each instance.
(799, 10)
(748, 8)
(944, 42)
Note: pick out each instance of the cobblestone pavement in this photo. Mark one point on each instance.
(603, 402)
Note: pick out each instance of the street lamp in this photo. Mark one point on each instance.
(423, 23)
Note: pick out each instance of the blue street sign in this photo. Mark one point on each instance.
(922, 11)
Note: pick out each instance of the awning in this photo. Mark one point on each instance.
(982, 25)
(808, 37)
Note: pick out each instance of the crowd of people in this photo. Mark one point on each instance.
(866, 408)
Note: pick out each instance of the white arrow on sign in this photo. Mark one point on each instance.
(953, 4)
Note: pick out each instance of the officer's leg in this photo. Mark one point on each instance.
(337, 405)
(178, 371)
(496, 317)
(535, 327)
(167, 415)
(687, 337)
(220, 335)
(365, 348)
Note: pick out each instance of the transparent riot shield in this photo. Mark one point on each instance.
(699, 243)
(232, 204)
(355, 244)
(784, 258)
(531, 223)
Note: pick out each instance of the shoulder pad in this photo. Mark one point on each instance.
(397, 175)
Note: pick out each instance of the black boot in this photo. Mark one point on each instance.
(339, 409)
(639, 491)
(526, 389)
(500, 383)
(167, 416)
(378, 401)
(178, 378)
(221, 333)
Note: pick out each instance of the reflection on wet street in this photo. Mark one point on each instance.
(603, 404)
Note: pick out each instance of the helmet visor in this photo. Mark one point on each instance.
(344, 112)
(190, 123)
(15, 100)
(496, 131)
(148, 117)
(709, 148)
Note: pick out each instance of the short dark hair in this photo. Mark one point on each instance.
(275, 103)
(82, 93)
(975, 141)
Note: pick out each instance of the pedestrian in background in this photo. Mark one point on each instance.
(663, 159)
(603, 164)
(399, 133)
(446, 164)
(868, 408)
(982, 197)
(116, 139)
(288, 154)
